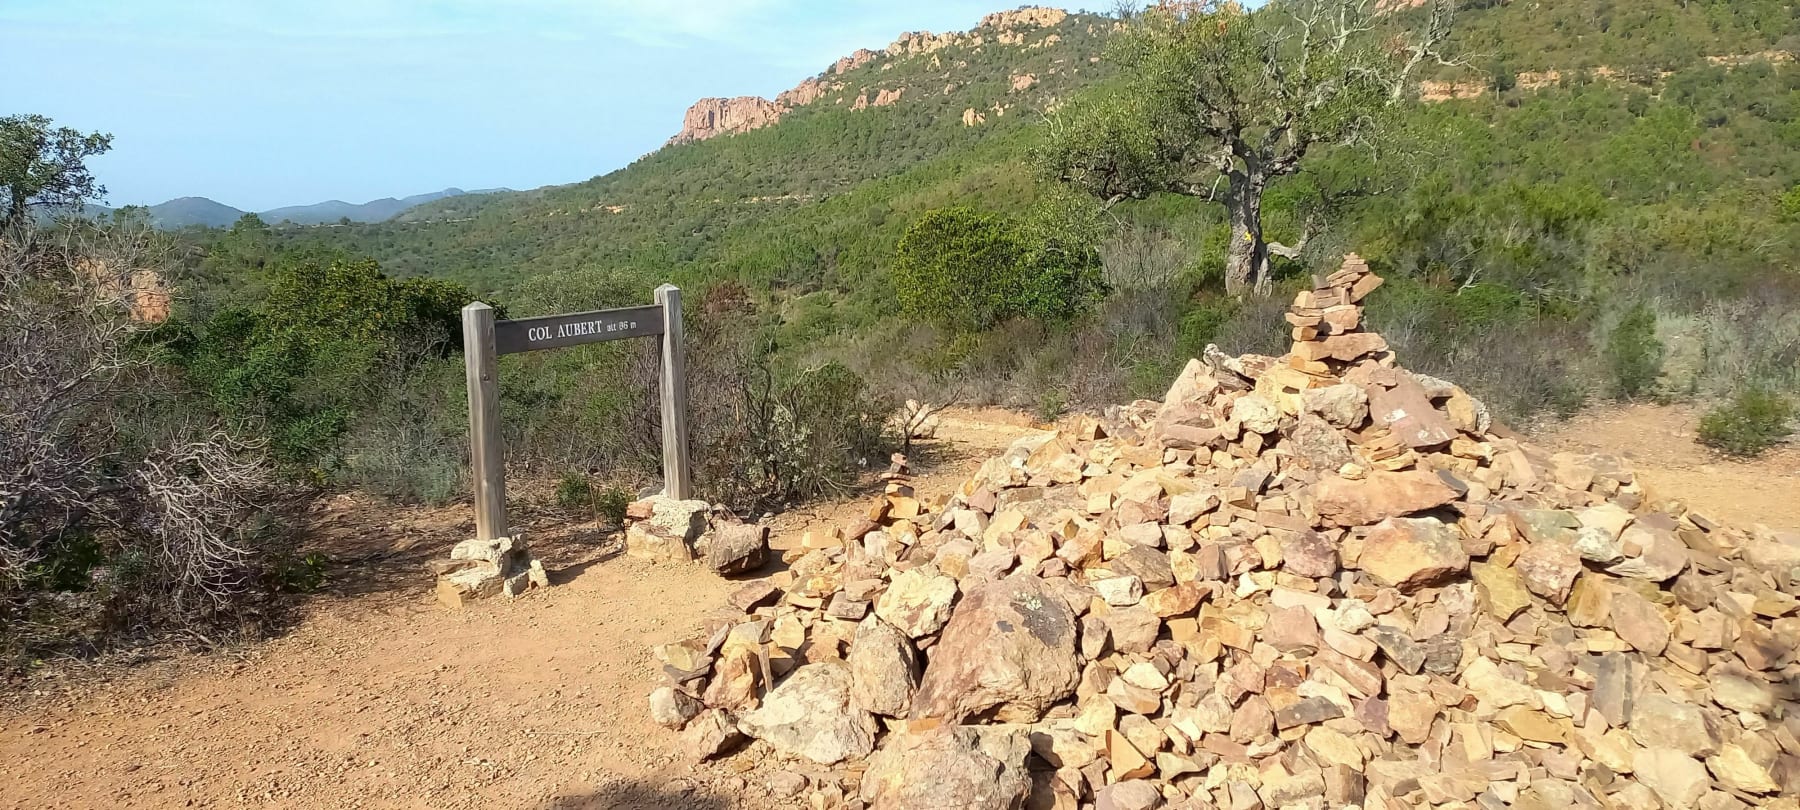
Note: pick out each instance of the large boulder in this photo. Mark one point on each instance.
(946, 768)
(737, 548)
(810, 715)
(884, 668)
(1379, 495)
(1008, 652)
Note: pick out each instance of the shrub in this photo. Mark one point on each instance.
(1632, 353)
(119, 510)
(574, 492)
(1052, 405)
(1753, 421)
(611, 502)
(969, 270)
(303, 360)
(299, 574)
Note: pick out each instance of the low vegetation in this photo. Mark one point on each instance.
(120, 510)
(1751, 422)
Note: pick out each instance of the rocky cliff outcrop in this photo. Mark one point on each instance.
(712, 117)
(1027, 17)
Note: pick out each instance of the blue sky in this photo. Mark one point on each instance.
(263, 103)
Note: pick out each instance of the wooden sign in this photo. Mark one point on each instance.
(557, 331)
(485, 339)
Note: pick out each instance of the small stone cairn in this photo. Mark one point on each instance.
(478, 569)
(664, 529)
(1311, 581)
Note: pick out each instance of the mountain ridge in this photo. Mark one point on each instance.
(204, 212)
(712, 117)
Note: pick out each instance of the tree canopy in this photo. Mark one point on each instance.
(44, 167)
(1211, 93)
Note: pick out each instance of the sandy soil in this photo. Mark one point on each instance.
(380, 697)
(1659, 442)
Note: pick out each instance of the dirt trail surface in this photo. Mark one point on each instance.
(1659, 442)
(381, 697)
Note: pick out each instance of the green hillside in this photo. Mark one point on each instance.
(1588, 201)
(1612, 214)
(778, 205)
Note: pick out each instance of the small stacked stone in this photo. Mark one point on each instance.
(1327, 320)
(478, 569)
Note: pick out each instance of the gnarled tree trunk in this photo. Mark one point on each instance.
(1247, 257)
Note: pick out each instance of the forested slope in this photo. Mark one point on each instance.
(1609, 211)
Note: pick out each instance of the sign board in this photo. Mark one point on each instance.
(485, 339)
(557, 331)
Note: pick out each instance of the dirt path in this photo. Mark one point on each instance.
(380, 697)
(1659, 442)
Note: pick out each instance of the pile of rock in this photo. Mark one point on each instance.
(478, 569)
(1310, 581)
(664, 529)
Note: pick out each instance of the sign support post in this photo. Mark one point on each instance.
(485, 339)
(677, 479)
(487, 463)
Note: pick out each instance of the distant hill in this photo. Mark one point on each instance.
(182, 212)
(811, 190)
(186, 212)
(380, 210)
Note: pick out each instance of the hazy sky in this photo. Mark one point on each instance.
(263, 103)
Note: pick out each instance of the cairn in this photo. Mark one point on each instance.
(479, 569)
(1312, 581)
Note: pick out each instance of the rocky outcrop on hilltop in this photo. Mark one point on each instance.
(1308, 581)
(712, 117)
(1026, 17)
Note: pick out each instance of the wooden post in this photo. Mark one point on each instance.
(677, 479)
(487, 464)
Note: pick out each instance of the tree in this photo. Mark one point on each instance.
(1213, 93)
(44, 168)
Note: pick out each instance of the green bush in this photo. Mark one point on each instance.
(574, 492)
(332, 345)
(1633, 354)
(610, 503)
(1750, 423)
(969, 270)
(299, 574)
(1052, 405)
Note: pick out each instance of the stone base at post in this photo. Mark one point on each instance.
(664, 529)
(478, 569)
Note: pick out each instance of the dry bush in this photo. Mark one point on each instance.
(763, 437)
(198, 497)
(115, 512)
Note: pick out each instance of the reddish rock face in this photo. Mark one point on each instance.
(711, 117)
